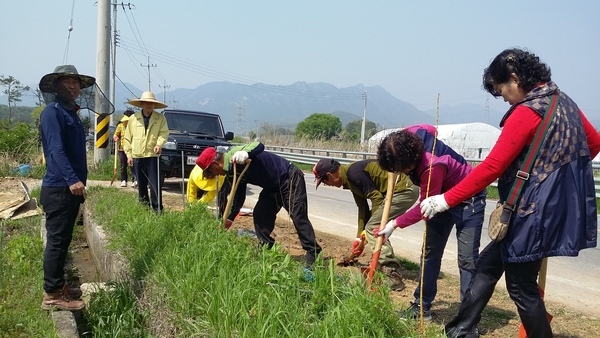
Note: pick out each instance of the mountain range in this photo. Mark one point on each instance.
(247, 107)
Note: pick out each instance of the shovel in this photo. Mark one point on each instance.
(234, 186)
(384, 219)
(349, 260)
(541, 288)
(115, 164)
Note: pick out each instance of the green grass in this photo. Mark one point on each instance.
(21, 280)
(102, 171)
(200, 280)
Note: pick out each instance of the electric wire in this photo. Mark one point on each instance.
(66, 53)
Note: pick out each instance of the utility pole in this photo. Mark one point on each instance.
(165, 90)
(114, 53)
(487, 109)
(149, 65)
(175, 102)
(101, 151)
(364, 120)
(114, 60)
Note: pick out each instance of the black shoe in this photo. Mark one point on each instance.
(416, 311)
(474, 333)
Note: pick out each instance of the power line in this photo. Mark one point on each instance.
(70, 28)
(220, 75)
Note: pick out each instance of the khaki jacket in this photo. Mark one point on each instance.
(139, 142)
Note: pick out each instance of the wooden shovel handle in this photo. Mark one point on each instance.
(234, 186)
(384, 219)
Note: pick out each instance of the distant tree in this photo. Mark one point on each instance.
(252, 135)
(353, 129)
(273, 131)
(39, 96)
(87, 123)
(319, 126)
(14, 90)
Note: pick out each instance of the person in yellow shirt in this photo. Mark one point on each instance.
(118, 138)
(203, 188)
(146, 133)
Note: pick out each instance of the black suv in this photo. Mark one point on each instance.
(190, 132)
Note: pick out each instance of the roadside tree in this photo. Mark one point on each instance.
(319, 126)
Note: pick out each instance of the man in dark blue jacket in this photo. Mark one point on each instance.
(282, 185)
(63, 186)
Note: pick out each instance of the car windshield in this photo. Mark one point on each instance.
(190, 123)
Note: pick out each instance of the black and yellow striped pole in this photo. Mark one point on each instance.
(102, 150)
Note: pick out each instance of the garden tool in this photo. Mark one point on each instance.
(234, 186)
(357, 248)
(384, 219)
(115, 164)
(541, 287)
(158, 191)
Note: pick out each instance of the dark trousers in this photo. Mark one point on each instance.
(521, 282)
(61, 209)
(468, 218)
(292, 196)
(147, 176)
(124, 167)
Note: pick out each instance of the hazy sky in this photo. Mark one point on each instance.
(413, 49)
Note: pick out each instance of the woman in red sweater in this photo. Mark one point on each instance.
(555, 214)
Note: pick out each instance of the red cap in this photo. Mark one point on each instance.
(206, 157)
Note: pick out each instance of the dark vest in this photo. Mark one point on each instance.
(556, 212)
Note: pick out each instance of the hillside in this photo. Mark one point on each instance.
(248, 107)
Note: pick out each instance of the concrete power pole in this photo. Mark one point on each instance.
(364, 120)
(149, 65)
(165, 87)
(101, 152)
(114, 59)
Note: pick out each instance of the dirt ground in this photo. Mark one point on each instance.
(499, 319)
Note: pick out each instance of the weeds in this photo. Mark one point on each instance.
(21, 280)
(209, 282)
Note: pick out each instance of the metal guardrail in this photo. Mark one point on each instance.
(312, 156)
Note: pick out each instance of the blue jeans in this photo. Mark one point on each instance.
(468, 218)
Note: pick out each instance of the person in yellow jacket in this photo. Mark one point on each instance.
(145, 135)
(118, 138)
(201, 188)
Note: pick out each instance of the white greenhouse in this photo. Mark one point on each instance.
(471, 140)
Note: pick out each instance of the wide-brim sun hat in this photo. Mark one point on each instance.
(48, 81)
(147, 97)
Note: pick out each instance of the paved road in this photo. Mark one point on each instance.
(572, 281)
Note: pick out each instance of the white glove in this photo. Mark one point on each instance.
(239, 157)
(433, 205)
(387, 231)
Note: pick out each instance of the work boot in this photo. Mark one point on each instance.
(61, 301)
(394, 276)
(73, 292)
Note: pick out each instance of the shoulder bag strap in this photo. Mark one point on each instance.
(540, 135)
